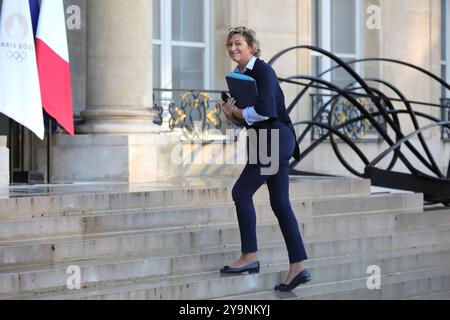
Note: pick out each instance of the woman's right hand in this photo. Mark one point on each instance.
(227, 108)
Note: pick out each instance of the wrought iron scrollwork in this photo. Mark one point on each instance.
(382, 117)
(192, 111)
(337, 111)
(195, 115)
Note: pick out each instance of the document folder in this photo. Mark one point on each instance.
(243, 89)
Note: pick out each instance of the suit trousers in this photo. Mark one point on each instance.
(250, 180)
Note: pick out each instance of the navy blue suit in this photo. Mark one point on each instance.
(272, 105)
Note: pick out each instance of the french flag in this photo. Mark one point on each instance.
(52, 56)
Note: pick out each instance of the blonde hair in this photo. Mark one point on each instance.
(249, 36)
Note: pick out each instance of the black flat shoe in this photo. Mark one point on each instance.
(250, 268)
(301, 278)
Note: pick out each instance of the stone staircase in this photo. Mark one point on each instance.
(168, 242)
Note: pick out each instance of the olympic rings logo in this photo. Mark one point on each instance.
(16, 56)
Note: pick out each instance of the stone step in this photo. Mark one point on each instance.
(90, 223)
(370, 224)
(434, 217)
(141, 196)
(211, 285)
(125, 269)
(175, 240)
(371, 221)
(394, 290)
(398, 285)
(22, 281)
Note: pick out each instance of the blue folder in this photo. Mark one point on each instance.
(243, 89)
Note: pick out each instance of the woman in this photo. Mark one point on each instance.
(269, 112)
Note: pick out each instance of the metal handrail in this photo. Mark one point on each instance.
(437, 184)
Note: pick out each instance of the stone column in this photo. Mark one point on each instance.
(119, 68)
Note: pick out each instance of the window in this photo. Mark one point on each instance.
(157, 43)
(336, 28)
(182, 44)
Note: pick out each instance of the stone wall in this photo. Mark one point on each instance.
(416, 40)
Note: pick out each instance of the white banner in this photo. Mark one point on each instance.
(20, 96)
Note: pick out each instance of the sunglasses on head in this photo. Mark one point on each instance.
(240, 29)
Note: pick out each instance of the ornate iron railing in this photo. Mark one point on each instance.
(334, 111)
(194, 112)
(431, 181)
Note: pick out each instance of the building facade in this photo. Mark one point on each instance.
(130, 59)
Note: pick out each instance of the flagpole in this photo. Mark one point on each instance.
(22, 149)
(49, 151)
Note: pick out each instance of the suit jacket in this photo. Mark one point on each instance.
(271, 102)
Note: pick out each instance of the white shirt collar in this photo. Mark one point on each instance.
(250, 65)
